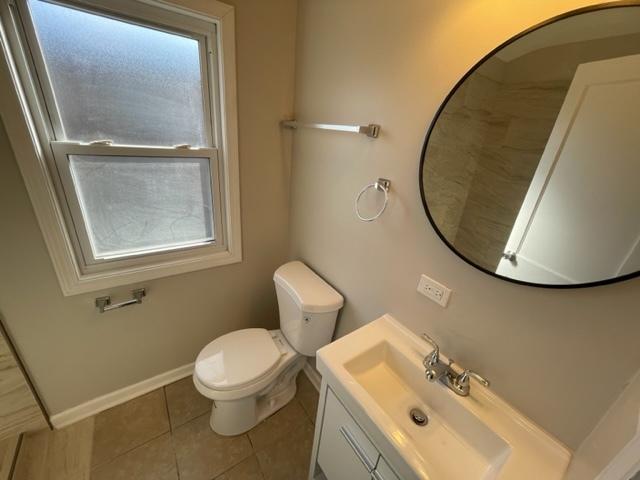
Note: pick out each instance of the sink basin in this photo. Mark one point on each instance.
(377, 373)
(455, 443)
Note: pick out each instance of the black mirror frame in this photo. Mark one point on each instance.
(571, 13)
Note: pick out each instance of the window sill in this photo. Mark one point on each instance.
(79, 282)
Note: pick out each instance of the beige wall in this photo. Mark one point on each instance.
(560, 356)
(75, 354)
(619, 427)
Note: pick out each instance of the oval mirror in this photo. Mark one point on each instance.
(531, 168)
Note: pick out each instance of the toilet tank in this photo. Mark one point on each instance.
(308, 307)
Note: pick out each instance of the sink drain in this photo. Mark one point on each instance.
(418, 417)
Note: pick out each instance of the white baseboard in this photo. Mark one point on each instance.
(118, 397)
(97, 405)
(313, 375)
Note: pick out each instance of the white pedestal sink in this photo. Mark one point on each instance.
(377, 374)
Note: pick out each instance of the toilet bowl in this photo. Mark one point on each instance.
(251, 373)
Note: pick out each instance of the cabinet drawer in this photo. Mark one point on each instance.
(345, 452)
(383, 471)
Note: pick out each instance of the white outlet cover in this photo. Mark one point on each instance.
(433, 290)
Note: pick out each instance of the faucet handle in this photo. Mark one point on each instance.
(463, 378)
(434, 356)
(430, 341)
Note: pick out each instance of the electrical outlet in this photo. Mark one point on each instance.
(433, 290)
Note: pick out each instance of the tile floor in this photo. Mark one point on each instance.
(165, 435)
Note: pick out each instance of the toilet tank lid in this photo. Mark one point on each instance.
(310, 292)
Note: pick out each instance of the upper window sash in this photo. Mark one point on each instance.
(135, 13)
(39, 95)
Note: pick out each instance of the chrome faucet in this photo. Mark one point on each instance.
(434, 357)
(434, 368)
(437, 370)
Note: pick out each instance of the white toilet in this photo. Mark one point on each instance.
(249, 374)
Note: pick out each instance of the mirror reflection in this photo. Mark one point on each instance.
(531, 170)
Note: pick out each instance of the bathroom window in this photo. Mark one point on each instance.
(126, 99)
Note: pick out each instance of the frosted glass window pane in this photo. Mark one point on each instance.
(135, 204)
(116, 80)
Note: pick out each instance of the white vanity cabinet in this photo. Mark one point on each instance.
(342, 450)
(383, 471)
(374, 377)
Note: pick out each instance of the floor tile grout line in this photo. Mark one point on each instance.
(171, 431)
(262, 474)
(253, 448)
(305, 417)
(310, 417)
(166, 408)
(237, 463)
(304, 409)
(193, 419)
(307, 414)
(175, 456)
(175, 427)
(225, 471)
(91, 466)
(102, 464)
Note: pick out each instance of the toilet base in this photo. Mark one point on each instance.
(234, 417)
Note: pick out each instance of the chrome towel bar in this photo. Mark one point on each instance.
(372, 130)
(104, 303)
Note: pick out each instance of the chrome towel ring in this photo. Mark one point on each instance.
(381, 185)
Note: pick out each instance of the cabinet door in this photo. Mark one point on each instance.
(383, 471)
(19, 410)
(345, 452)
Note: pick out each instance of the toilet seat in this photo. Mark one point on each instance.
(288, 357)
(237, 359)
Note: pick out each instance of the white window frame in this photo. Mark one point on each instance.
(33, 138)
